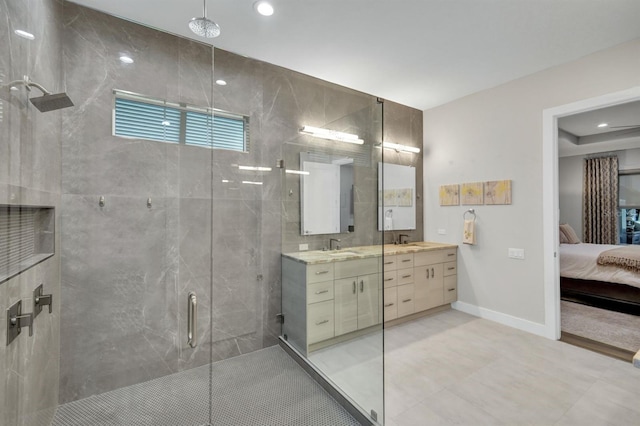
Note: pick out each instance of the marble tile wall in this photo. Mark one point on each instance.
(127, 269)
(30, 175)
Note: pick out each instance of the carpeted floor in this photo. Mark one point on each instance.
(613, 328)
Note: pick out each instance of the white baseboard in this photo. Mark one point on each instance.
(505, 319)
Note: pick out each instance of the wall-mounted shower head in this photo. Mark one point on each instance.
(47, 102)
(51, 102)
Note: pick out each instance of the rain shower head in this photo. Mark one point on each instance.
(203, 26)
(45, 103)
(51, 102)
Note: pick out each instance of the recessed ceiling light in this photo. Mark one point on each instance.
(264, 8)
(221, 82)
(126, 59)
(601, 125)
(14, 88)
(24, 34)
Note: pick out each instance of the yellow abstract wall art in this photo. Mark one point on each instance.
(472, 193)
(497, 192)
(450, 195)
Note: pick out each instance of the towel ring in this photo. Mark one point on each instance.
(470, 211)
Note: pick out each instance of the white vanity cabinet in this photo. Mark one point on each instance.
(327, 297)
(430, 278)
(356, 297)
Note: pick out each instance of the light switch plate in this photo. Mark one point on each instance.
(516, 253)
(303, 247)
(442, 231)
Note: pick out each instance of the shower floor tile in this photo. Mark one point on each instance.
(265, 387)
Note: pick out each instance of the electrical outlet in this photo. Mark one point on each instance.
(442, 231)
(303, 247)
(516, 253)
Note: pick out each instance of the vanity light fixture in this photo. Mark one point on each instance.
(296, 172)
(601, 125)
(398, 147)
(24, 34)
(255, 168)
(251, 182)
(126, 59)
(264, 8)
(331, 135)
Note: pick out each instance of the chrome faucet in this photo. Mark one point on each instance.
(400, 239)
(331, 240)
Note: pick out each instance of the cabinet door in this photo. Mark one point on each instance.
(368, 300)
(346, 292)
(429, 287)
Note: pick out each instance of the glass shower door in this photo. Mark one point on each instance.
(332, 293)
(136, 225)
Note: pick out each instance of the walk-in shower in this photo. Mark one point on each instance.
(161, 189)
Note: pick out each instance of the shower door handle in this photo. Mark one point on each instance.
(192, 320)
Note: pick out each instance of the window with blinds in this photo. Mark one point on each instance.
(143, 118)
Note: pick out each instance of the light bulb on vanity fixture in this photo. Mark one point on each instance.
(333, 135)
(398, 147)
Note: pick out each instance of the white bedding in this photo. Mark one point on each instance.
(579, 261)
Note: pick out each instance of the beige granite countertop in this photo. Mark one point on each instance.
(361, 252)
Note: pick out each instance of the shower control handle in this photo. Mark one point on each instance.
(192, 320)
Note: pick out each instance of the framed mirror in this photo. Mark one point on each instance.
(326, 194)
(396, 197)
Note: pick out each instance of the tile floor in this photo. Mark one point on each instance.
(456, 369)
(265, 387)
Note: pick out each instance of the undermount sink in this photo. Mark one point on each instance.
(343, 253)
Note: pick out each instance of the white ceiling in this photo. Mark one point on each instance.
(588, 138)
(420, 53)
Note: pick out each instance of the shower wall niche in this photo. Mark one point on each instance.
(26, 238)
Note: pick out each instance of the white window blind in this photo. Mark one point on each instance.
(157, 120)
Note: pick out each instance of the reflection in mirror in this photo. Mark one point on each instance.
(326, 192)
(396, 197)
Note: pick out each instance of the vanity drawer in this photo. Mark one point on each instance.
(320, 321)
(405, 300)
(405, 276)
(450, 289)
(390, 279)
(353, 268)
(450, 268)
(405, 260)
(390, 303)
(319, 292)
(450, 255)
(434, 256)
(319, 272)
(389, 263)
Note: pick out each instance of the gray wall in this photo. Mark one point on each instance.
(127, 269)
(497, 134)
(30, 175)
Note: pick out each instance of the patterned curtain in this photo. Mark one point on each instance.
(600, 200)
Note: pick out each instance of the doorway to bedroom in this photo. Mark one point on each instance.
(598, 204)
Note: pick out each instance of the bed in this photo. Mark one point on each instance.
(582, 280)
